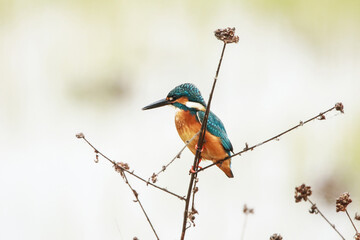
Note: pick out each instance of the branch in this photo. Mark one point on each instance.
(155, 175)
(315, 209)
(303, 192)
(117, 165)
(142, 208)
(320, 116)
(227, 36)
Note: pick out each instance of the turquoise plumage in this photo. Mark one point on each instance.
(216, 127)
(190, 105)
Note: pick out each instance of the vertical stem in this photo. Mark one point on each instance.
(351, 221)
(332, 225)
(141, 206)
(198, 151)
(244, 227)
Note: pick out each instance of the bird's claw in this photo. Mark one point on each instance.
(192, 170)
(202, 149)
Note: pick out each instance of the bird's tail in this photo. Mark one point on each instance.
(226, 168)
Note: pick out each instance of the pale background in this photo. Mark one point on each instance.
(90, 66)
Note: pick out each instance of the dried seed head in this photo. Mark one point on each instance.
(302, 192)
(314, 209)
(339, 107)
(124, 165)
(276, 236)
(357, 236)
(342, 202)
(191, 216)
(357, 216)
(154, 178)
(135, 238)
(247, 210)
(322, 117)
(80, 135)
(135, 193)
(227, 35)
(120, 166)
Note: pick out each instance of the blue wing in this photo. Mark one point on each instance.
(216, 128)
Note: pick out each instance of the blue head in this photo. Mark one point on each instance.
(185, 96)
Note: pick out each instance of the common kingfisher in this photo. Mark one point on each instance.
(190, 111)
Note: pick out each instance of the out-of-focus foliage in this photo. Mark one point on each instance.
(317, 19)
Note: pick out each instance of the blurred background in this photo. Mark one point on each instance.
(90, 66)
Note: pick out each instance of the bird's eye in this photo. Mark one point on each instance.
(170, 98)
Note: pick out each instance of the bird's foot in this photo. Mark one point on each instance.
(202, 149)
(192, 170)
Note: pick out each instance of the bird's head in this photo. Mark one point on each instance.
(185, 96)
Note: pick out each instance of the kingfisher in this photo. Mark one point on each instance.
(190, 110)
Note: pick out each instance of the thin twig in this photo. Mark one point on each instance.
(130, 172)
(155, 175)
(244, 227)
(198, 151)
(318, 211)
(247, 148)
(195, 190)
(142, 208)
(247, 211)
(351, 221)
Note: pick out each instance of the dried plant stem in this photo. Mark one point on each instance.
(176, 156)
(244, 227)
(247, 148)
(139, 202)
(200, 145)
(332, 225)
(352, 222)
(131, 172)
(193, 196)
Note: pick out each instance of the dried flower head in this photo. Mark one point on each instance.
(357, 216)
(191, 216)
(276, 236)
(135, 238)
(339, 107)
(80, 135)
(322, 117)
(120, 166)
(342, 202)
(247, 210)
(302, 192)
(357, 236)
(227, 35)
(314, 209)
(135, 194)
(123, 165)
(154, 178)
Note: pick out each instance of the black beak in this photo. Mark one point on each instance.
(160, 103)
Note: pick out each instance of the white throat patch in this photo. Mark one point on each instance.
(195, 105)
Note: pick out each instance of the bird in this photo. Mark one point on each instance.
(190, 110)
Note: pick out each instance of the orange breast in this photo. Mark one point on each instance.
(187, 126)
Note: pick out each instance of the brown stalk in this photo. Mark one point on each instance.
(80, 135)
(198, 151)
(320, 116)
(316, 210)
(155, 175)
(141, 206)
